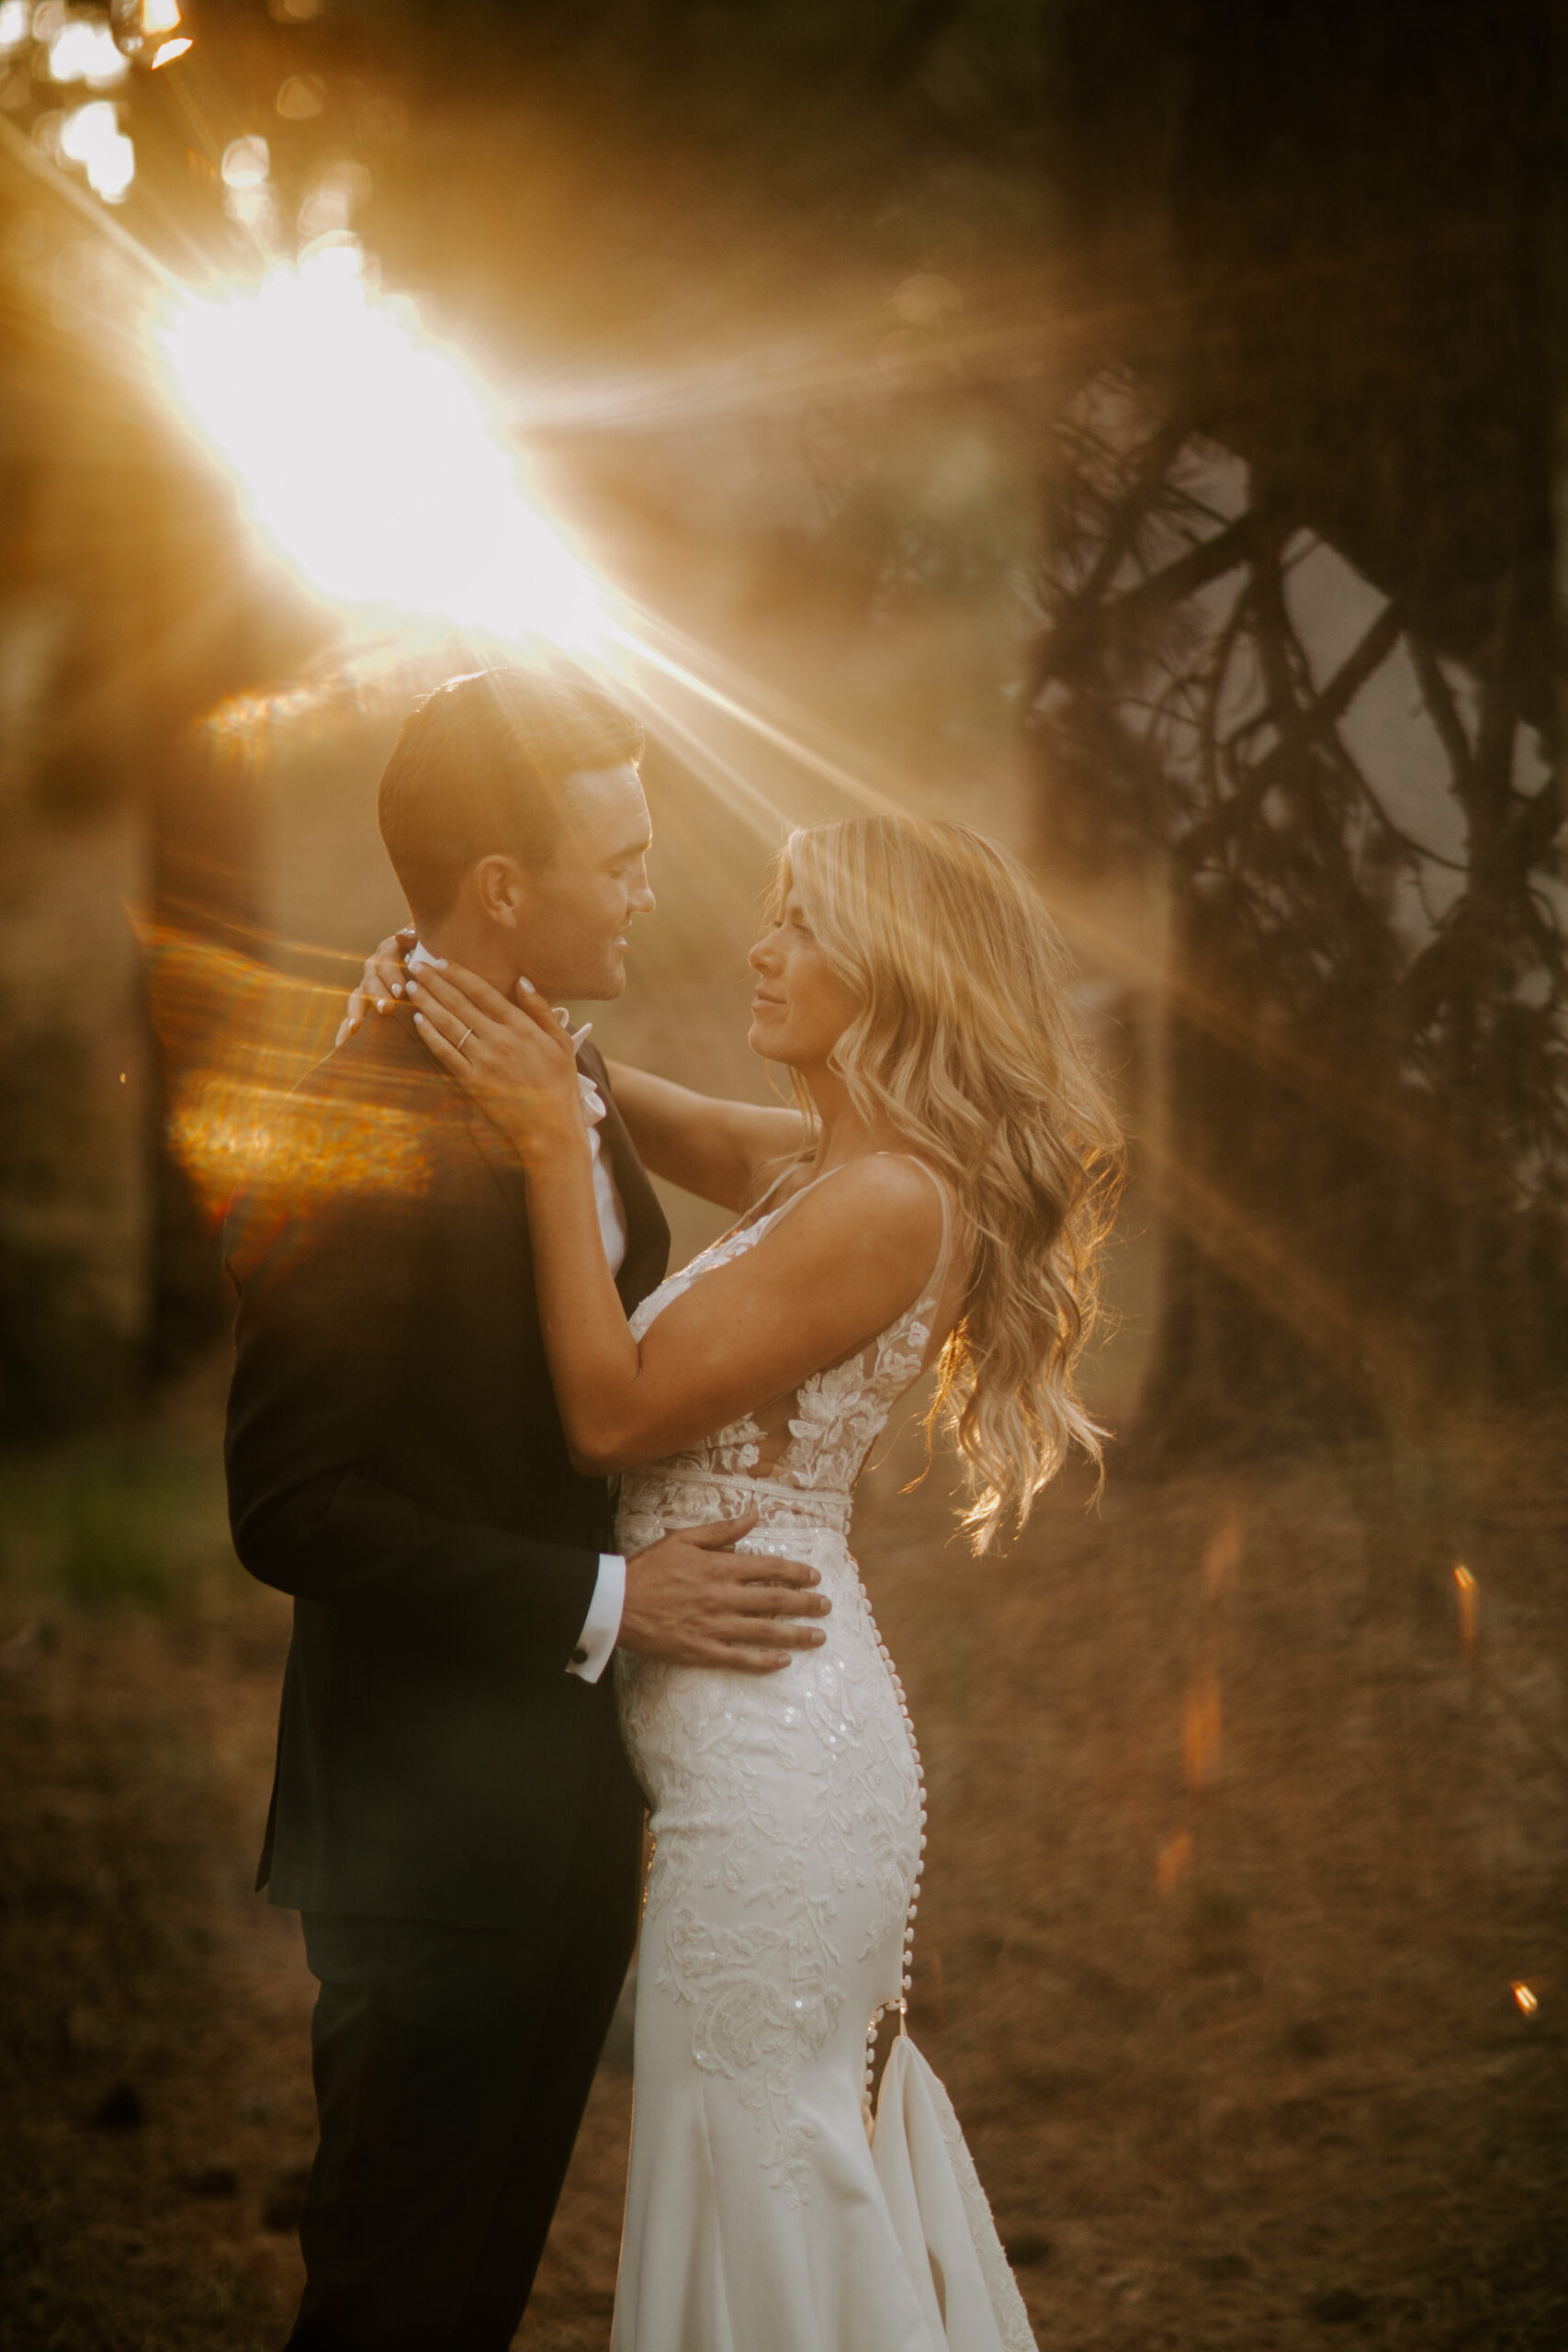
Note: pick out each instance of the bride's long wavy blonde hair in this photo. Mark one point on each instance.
(967, 1045)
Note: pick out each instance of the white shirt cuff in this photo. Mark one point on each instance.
(603, 1622)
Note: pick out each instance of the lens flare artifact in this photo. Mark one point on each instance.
(368, 456)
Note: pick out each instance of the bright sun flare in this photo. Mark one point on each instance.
(370, 459)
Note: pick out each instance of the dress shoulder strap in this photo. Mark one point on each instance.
(932, 1291)
(759, 1213)
(768, 1190)
(784, 1207)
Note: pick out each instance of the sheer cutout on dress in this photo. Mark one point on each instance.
(818, 1435)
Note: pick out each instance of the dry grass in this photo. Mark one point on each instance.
(1235, 1856)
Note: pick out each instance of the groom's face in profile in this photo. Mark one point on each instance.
(573, 915)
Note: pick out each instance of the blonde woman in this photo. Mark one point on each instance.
(939, 1196)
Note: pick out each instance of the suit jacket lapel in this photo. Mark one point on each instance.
(486, 1137)
(648, 1235)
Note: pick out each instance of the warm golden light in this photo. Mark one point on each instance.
(246, 163)
(1200, 1730)
(159, 16)
(301, 96)
(167, 51)
(83, 49)
(1525, 1998)
(90, 135)
(1220, 1554)
(1173, 1860)
(368, 457)
(1469, 1604)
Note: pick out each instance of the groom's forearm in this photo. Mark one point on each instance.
(347, 1540)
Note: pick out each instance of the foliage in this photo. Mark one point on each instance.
(1368, 1037)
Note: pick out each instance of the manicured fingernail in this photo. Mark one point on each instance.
(420, 1018)
(397, 988)
(526, 984)
(380, 1005)
(413, 987)
(439, 962)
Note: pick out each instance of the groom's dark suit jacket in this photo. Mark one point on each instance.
(395, 1462)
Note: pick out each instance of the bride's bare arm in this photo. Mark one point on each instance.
(707, 1146)
(826, 1278)
(850, 1257)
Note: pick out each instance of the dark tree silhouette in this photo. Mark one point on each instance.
(1366, 1155)
(1336, 216)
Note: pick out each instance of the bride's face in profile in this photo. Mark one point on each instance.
(801, 1008)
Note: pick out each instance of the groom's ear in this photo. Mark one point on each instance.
(500, 886)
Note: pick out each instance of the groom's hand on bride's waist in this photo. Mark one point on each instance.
(693, 1599)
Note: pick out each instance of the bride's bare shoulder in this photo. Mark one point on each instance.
(882, 1197)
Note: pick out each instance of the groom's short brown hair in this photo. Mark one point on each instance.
(481, 765)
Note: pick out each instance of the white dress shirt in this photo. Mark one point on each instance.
(603, 1622)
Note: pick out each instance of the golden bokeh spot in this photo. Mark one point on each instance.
(230, 1135)
(1173, 1860)
(237, 1038)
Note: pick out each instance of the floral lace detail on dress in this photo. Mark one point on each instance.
(786, 1819)
(737, 1448)
(817, 1804)
(762, 2008)
(837, 1415)
(840, 1413)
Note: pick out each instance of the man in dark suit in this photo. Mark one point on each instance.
(452, 1813)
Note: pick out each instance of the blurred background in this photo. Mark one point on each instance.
(1131, 429)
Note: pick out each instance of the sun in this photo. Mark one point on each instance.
(369, 457)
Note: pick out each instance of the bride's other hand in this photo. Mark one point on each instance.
(516, 1060)
(384, 977)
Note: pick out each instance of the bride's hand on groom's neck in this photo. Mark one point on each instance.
(516, 1060)
(381, 980)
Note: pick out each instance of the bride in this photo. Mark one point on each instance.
(939, 1197)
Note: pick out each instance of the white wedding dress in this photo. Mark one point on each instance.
(763, 2212)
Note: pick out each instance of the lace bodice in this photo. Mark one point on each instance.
(765, 2204)
(817, 1438)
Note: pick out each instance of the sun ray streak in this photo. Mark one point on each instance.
(368, 456)
(832, 771)
(719, 775)
(39, 166)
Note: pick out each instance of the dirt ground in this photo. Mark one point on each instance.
(1242, 1951)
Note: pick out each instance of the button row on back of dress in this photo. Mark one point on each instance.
(907, 1966)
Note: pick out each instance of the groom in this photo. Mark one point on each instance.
(452, 1812)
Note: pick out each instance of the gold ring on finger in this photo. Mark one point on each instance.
(465, 1036)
